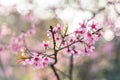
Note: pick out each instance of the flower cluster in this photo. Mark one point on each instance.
(34, 59)
(81, 41)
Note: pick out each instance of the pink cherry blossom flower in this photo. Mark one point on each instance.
(68, 50)
(49, 34)
(45, 61)
(36, 60)
(71, 40)
(45, 44)
(77, 31)
(57, 38)
(89, 38)
(75, 52)
(89, 49)
(55, 30)
(82, 25)
(64, 43)
(80, 31)
(93, 26)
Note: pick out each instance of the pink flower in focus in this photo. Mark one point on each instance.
(45, 61)
(82, 25)
(89, 38)
(75, 52)
(64, 43)
(45, 45)
(88, 49)
(80, 31)
(36, 60)
(77, 31)
(93, 26)
(68, 50)
(57, 38)
(49, 34)
(71, 40)
(55, 30)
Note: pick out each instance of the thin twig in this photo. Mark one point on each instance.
(70, 44)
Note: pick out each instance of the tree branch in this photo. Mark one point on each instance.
(55, 54)
(71, 67)
(55, 71)
(70, 44)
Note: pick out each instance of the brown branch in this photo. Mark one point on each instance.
(55, 72)
(70, 44)
(55, 54)
(53, 37)
(71, 67)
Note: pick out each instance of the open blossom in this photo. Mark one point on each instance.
(68, 50)
(82, 29)
(45, 61)
(36, 60)
(49, 34)
(82, 25)
(93, 26)
(45, 44)
(89, 49)
(89, 35)
(71, 39)
(75, 52)
(89, 38)
(57, 38)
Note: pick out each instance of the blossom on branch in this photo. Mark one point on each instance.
(81, 41)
